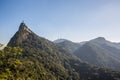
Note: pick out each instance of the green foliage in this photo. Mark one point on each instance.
(14, 67)
(1, 45)
(9, 63)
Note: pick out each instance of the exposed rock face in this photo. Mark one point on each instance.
(21, 35)
(23, 27)
(26, 31)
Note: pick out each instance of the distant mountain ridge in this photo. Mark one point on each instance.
(44, 60)
(98, 52)
(67, 45)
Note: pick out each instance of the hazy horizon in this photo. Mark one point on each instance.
(68, 19)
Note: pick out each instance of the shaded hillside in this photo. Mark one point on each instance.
(43, 60)
(100, 52)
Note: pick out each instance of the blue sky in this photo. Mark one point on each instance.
(76, 20)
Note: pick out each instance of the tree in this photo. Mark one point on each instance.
(9, 62)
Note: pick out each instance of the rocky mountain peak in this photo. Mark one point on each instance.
(23, 27)
(21, 35)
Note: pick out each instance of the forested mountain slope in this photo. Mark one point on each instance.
(44, 60)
